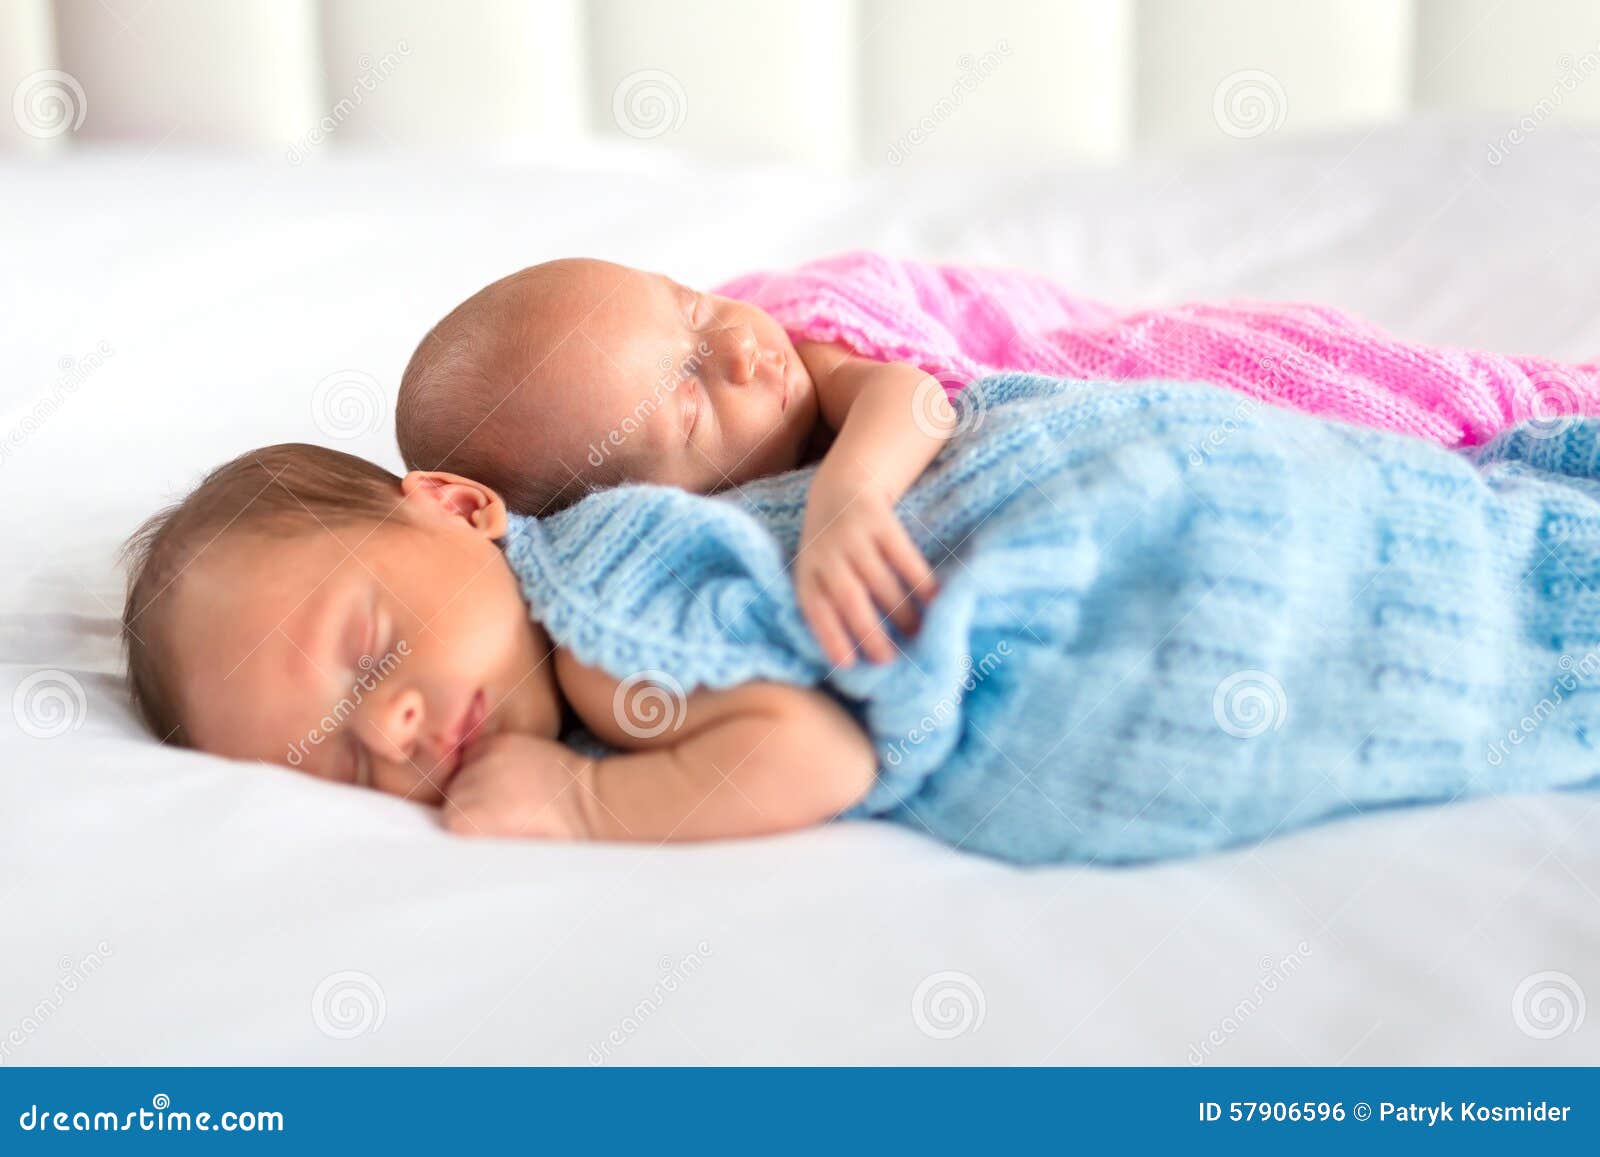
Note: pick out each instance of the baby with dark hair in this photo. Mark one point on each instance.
(1139, 651)
(307, 608)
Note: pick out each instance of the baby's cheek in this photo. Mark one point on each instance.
(770, 453)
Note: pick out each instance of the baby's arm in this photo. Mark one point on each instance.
(752, 760)
(856, 563)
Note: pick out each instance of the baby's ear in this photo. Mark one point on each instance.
(458, 497)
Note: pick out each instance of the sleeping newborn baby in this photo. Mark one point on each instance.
(1137, 652)
(577, 374)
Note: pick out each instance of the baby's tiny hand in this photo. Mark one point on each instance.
(857, 566)
(520, 785)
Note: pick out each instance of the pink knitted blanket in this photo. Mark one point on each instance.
(961, 323)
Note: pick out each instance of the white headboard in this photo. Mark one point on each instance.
(832, 82)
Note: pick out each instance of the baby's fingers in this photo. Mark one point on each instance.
(825, 625)
(908, 562)
(887, 590)
(849, 597)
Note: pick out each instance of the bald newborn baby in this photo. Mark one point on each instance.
(577, 375)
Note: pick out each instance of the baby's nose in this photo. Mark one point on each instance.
(399, 725)
(740, 353)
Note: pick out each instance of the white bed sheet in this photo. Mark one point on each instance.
(218, 899)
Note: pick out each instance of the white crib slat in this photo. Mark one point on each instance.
(402, 72)
(727, 80)
(42, 105)
(243, 72)
(1539, 61)
(1018, 81)
(1243, 70)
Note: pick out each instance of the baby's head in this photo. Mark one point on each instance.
(578, 374)
(306, 607)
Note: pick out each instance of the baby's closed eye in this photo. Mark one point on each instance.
(693, 401)
(692, 305)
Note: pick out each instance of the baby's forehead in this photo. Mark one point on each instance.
(244, 570)
(242, 634)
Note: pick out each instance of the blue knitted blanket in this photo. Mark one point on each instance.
(1171, 619)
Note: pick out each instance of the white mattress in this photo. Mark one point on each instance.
(221, 903)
